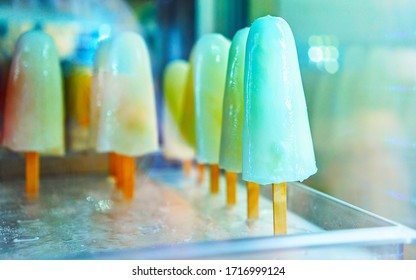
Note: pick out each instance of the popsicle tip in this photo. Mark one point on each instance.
(241, 33)
(35, 39)
(272, 20)
(270, 17)
(38, 33)
(208, 38)
(176, 64)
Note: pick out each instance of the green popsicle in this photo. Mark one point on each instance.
(233, 106)
(232, 115)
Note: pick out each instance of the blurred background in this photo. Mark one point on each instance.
(357, 59)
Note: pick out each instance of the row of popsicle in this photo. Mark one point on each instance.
(240, 106)
(122, 113)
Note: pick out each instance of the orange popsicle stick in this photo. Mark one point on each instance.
(279, 208)
(32, 173)
(129, 171)
(187, 167)
(201, 172)
(119, 171)
(231, 179)
(215, 178)
(112, 164)
(253, 194)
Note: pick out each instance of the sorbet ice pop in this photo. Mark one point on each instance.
(34, 115)
(187, 120)
(232, 114)
(174, 83)
(210, 66)
(277, 143)
(97, 87)
(124, 99)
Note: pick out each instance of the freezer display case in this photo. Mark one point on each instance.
(356, 61)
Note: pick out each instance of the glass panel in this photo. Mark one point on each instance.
(357, 60)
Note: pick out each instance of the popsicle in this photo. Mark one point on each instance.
(97, 82)
(123, 104)
(277, 142)
(232, 115)
(174, 82)
(210, 66)
(34, 114)
(78, 96)
(187, 119)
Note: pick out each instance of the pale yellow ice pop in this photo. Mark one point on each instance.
(34, 114)
(209, 72)
(174, 84)
(123, 96)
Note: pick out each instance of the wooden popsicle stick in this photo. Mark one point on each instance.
(112, 164)
(187, 167)
(231, 179)
(119, 171)
(201, 172)
(32, 173)
(214, 178)
(279, 208)
(253, 195)
(129, 171)
(123, 172)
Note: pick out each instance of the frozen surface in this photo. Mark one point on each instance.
(78, 215)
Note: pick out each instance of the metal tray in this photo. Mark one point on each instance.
(172, 217)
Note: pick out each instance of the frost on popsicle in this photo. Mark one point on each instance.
(277, 143)
(210, 66)
(34, 114)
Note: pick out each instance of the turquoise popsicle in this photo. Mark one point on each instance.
(277, 142)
